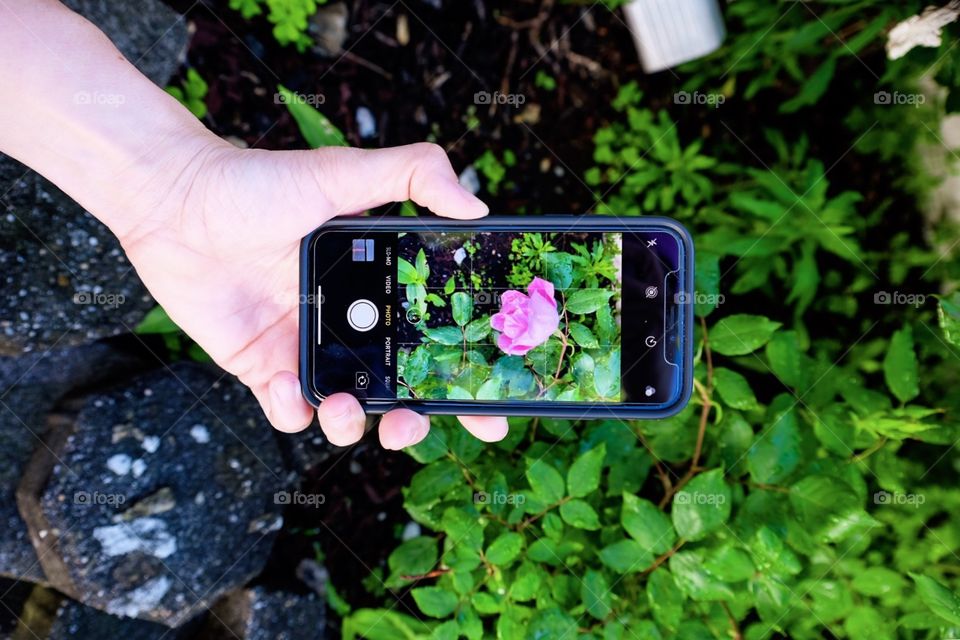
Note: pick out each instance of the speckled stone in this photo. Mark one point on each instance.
(74, 621)
(162, 498)
(30, 386)
(64, 279)
(259, 614)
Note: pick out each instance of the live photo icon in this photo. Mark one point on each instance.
(362, 250)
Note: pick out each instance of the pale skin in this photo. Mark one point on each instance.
(212, 230)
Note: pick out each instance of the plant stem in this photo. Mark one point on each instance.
(706, 395)
(664, 557)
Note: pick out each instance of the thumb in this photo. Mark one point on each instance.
(354, 180)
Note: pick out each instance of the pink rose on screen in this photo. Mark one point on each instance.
(526, 320)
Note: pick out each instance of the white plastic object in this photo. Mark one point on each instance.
(671, 32)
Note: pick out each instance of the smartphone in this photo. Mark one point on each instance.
(559, 316)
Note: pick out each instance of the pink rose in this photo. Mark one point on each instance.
(526, 321)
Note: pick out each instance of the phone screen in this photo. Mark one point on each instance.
(498, 316)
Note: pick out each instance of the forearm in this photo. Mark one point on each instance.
(74, 109)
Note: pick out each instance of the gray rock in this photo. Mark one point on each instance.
(328, 26)
(77, 622)
(30, 386)
(470, 180)
(161, 499)
(258, 614)
(39, 613)
(305, 450)
(65, 278)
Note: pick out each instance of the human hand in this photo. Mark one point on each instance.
(218, 247)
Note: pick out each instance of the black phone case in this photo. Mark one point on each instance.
(542, 408)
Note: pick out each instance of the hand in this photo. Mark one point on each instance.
(217, 246)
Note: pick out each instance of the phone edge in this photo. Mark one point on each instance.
(575, 411)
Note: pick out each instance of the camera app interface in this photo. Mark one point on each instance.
(498, 316)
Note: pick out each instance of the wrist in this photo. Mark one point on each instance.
(149, 181)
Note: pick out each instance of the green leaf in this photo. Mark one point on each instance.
(414, 557)
(786, 359)
(423, 269)
(449, 286)
(505, 548)
(445, 335)
(417, 367)
(485, 603)
(647, 524)
(434, 601)
(626, 556)
(551, 623)
(665, 599)
(583, 336)
(583, 478)
(741, 334)
(559, 269)
(772, 556)
(545, 481)
(585, 301)
(702, 506)
(775, 453)
(707, 279)
(730, 564)
(478, 329)
(157, 321)
(606, 327)
(316, 129)
(734, 389)
(490, 390)
(434, 481)
(824, 505)
(382, 624)
(948, 311)
(406, 272)
(606, 375)
(942, 601)
(758, 207)
(461, 305)
(693, 578)
(878, 582)
(813, 88)
(456, 392)
(900, 369)
(595, 593)
(579, 514)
